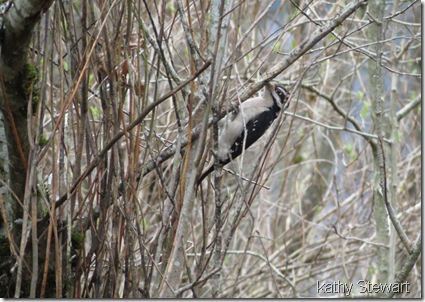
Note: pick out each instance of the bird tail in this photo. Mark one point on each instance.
(205, 174)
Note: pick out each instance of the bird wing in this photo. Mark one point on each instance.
(254, 129)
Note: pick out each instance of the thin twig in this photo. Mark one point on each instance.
(364, 134)
(407, 267)
(293, 56)
(396, 223)
(358, 239)
(120, 134)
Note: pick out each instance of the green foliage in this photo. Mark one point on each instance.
(359, 95)
(298, 158)
(350, 150)
(170, 7)
(94, 111)
(300, 132)
(92, 79)
(65, 65)
(365, 110)
(145, 224)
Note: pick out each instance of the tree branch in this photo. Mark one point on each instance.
(293, 56)
(409, 107)
(407, 267)
(17, 21)
(120, 134)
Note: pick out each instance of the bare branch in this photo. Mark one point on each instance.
(407, 267)
(120, 134)
(271, 74)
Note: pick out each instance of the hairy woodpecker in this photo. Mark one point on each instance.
(252, 119)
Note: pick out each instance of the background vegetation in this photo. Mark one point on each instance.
(110, 111)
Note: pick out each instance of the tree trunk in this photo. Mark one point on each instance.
(18, 87)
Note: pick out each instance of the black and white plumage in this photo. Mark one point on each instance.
(253, 119)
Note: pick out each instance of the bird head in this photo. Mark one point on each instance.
(279, 93)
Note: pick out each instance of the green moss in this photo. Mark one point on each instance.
(30, 84)
(77, 238)
(30, 76)
(43, 141)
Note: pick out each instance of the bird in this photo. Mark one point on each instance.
(252, 120)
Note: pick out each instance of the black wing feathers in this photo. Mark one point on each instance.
(254, 129)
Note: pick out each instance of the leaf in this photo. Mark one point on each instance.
(365, 110)
(170, 7)
(359, 95)
(350, 150)
(298, 158)
(300, 132)
(94, 111)
(65, 65)
(91, 79)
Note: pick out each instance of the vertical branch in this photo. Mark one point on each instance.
(34, 238)
(382, 204)
(376, 8)
(217, 193)
(173, 271)
(381, 196)
(194, 64)
(22, 245)
(218, 39)
(393, 156)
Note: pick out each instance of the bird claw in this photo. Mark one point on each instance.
(234, 107)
